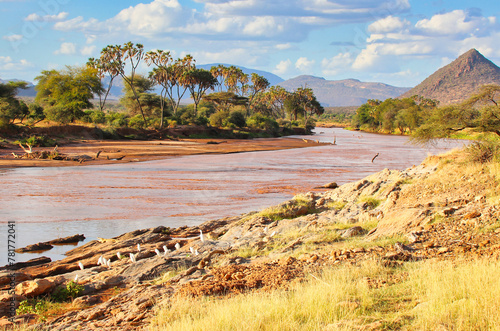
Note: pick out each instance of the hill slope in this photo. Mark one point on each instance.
(347, 92)
(457, 81)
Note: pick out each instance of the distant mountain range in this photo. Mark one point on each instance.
(457, 81)
(347, 92)
(451, 84)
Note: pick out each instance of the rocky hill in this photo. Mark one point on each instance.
(347, 92)
(457, 81)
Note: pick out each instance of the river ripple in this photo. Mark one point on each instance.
(106, 201)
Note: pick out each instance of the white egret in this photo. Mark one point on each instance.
(132, 258)
(192, 250)
(177, 246)
(196, 252)
(201, 236)
(76, 279)
(108, 263)
(272, 234)
(157, 251)
(119, 255)
(99, 262)
(104, 261)
(138, 247)
(80, 264)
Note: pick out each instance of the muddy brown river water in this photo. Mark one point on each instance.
(106, 201)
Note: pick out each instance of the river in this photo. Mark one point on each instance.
(106, 201)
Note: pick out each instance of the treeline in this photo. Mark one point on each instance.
(222, 96)
(425, 120)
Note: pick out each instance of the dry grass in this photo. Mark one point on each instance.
(423, 296)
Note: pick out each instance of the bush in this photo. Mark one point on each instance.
(38, 141)
(59, 114)
(237, 118)
(136, 122)
(258, 121)
(483, 151)
(117, 120)
(219, 119)
(70, 291)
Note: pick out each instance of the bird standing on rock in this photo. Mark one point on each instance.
(201, 236)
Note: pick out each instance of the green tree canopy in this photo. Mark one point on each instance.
(64, 94)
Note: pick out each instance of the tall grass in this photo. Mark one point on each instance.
(423, 296)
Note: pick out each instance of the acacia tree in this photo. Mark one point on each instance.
(308, 102)
(198, 81)
(481, 112)
(10, 107)
(66, 93)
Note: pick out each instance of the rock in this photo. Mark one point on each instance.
(6, 303)
(443, 250)
(331, 185)
(7, 277)
(87, 300)
(33, 288)
(30, 263)
(354, 231)
(35, 247)
(67, 240)
(448, 211)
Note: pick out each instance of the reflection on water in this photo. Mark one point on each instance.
(106, 201)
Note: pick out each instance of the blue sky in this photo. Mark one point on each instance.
(398, 42)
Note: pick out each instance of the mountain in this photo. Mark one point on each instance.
(28, 92)
(272, 78)
(457, 81)
(347, 92)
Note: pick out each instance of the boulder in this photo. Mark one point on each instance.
(33, 288)
(67, 240)
(354, 231)
(6, 303)
(30, 263)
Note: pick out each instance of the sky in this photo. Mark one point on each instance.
(397, 42)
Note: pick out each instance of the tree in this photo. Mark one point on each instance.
(116, 58)
(107, 71)
(65, 94)
(159, 75)
(150, 102)
(198, 81)
(10, 107)
(259, 85)
(481, 113)
(224, 100)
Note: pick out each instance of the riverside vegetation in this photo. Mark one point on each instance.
(412, 249)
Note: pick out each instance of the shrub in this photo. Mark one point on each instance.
(59, 114)
(237, 118)
(70, 291)
(136, 122)
(116, 120)
(219, 119)
(483, 151)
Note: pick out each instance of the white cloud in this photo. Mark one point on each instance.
(46, 18)
(453, 23)
(305, 65)
(87, 50)
(283, 68)
(6, 63)
(283, 47)
(66, 49)
(338, 64)
(388, 24)
(13, 37)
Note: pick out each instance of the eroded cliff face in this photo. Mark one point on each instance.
(444, 208)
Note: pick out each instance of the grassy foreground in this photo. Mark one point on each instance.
(430, 295)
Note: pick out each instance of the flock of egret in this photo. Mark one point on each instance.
(107, 262)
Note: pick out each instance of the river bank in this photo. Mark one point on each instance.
(444, 209)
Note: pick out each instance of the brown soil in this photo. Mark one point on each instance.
(84, 152)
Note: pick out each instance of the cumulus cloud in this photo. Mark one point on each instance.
(304, 65)
(66, 49)
(280, 20)
(456, 22)
(13, 37)
(46, 18)
(338, 64)
(6, 63)
(87, 50)
(388, 24)
(283, 68)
